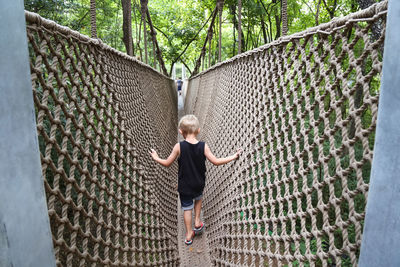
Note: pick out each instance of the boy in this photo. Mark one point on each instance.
(192, 171)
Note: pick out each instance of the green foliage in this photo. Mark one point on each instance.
(179, 22)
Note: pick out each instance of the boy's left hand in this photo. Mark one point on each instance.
(153, 154)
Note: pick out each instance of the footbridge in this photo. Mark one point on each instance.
(316, 185)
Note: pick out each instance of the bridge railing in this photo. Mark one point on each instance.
(98, 113)
(303, 109)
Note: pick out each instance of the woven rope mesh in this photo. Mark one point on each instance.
(98, 114)
(303, 109)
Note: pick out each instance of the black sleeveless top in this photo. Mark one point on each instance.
(192, 169)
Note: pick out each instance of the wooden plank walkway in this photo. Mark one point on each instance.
(197, 254)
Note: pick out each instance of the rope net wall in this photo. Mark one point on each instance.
(304, 111)
(98, 114)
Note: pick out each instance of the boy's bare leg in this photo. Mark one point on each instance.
(197, 210)
(187, 218)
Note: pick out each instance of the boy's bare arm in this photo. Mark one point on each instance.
(220, 161)
(171, 158)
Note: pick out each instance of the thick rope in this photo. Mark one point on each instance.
(93, 23)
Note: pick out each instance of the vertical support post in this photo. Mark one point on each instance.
(183, 72)
(284, 17)
(93, 21)
(174, 71)
(381, 237)
(25, 237)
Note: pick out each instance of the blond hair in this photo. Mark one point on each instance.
(189, 124)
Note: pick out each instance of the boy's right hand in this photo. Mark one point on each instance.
(238, 152)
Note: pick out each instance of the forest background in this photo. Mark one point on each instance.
(182, 25)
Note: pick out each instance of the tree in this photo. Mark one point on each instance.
(239, 26)
(220, 5)
(263, 28)
(331, 8)
(317, 13)
(53, 10)
(365, 3)
(180, 25)
(156, 47)
(127, 26)
(143, 4)
(203, 49)
(232, 5)
(376, 27)
(277, 21)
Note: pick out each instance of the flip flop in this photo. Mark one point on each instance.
(200, 229)
(189, 242)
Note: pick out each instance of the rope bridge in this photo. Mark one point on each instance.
(303, 109)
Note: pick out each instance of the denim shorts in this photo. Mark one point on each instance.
(188, 203)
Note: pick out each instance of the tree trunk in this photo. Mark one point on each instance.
(234, 39)
(263, 29)
(203, 49)
(332, 10)
(278, 26)
(143, 4)
(209, 50)
(136, 26)
(184, 63)
(93, 27)
(239, 26)
(139, 40)
(247, 46)
(220, 8)
(127, 25)
(202, 63)
(317, 13)
(270, 27)
(377, 26)
(365, 3)
(284, 17)
(154, 56)
(156, 49)
(193, 39)
(268, 36)
(232, 9)
(258, 38)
